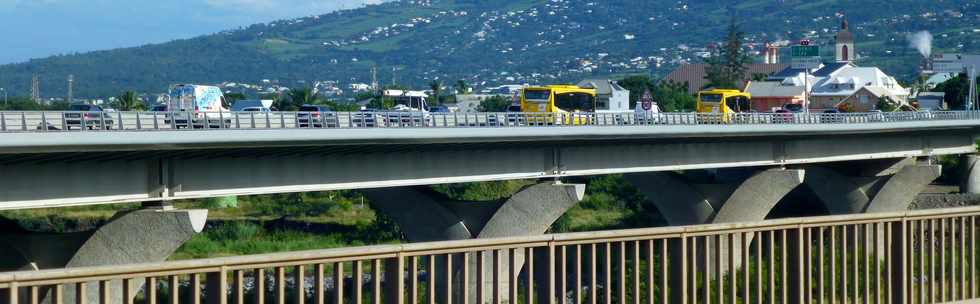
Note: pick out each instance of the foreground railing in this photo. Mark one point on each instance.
(913, 257)
(41, 121)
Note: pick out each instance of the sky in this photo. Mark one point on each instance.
(41, 28)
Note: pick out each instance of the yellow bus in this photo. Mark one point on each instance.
(723, 102)
(568, 104)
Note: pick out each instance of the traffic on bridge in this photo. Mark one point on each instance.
(40, 121)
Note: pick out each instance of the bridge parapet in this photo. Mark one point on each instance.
(54, 121)
(788, 260)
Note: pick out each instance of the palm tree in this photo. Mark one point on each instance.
(436, 87)
(300, 97)
(128, 101)
(461, 86)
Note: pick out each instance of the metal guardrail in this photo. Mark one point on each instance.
(909, 257)
(41, 121)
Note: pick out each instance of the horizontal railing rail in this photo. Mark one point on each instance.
(45, 121)
(904, 257)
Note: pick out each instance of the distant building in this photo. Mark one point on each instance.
(610, 96)
(859, 87)
(768, 95)
(954, 63)
(694, 75)
(931, 100)
(844, 47)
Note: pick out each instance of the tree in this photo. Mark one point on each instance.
(886, 104)
(956, 89)
(728, 63)
(671, 96)
(231, 98)
(298, 98)
(462, 87)
(494, 104)
(436, 87)
(128, 101)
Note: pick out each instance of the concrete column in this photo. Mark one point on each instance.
(970, 174)
(424, 215)
(683, 202)
(844, 194)
(140, 236)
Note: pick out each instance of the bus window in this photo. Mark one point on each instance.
(710, 98)
(537, 95)
(738, 104)
(575, 102)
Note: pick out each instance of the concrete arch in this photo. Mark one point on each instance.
(428, 216)
(843, 194)
(686, 203)
(140, 236)
(839, 194)
(900, 190)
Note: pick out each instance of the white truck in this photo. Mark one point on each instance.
(410, 109)
(197, 106)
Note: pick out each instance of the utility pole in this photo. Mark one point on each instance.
(71, 80)
(4, 96)
(35, 89)
(374, 79)
(393, 69)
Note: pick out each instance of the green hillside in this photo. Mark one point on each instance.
(493, 42)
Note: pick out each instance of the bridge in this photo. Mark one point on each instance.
(854, 163)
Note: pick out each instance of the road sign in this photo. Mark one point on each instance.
(808, 63)
(805, 51)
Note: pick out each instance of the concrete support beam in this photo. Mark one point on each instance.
(682, 202)
(970, 174)
(140, 236)
(424, 215)
(844, 194)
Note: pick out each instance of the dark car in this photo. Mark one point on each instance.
(313, 116)
(439, 109)
(831, 116)
(86, 116)
(793, 107)
(782, 116)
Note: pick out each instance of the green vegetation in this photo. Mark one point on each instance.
(128, 101)
(487, 40)
(672, 97)
(956, 89)
(494, 104)
(728, 63)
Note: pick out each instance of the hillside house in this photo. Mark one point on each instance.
(610, 96)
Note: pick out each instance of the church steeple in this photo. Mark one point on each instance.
(845, 44)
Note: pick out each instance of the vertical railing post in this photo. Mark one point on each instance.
(677, 283)
(899, 262)
(545, 266)
(217, 287)
(394, 279)
(795, 270)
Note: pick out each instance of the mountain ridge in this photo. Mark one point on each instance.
(494, 42)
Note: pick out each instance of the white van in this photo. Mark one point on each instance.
(197, 106)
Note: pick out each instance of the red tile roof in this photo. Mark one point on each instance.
(693, 74)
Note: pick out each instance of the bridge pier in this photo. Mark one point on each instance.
(970, 178)
(139, 236)
(746, 197)
(424, 215)
(872, 186)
